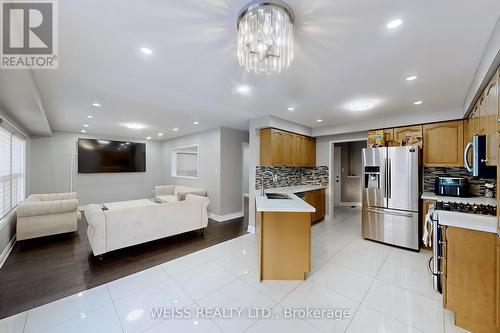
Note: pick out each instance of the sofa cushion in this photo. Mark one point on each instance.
(167, 198)
(190, 190)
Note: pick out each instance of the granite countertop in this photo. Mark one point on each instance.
(484, 223)
(471, 200)
(295, 204)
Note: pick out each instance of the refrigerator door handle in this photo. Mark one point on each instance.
(466, 158)
(389, 178)
(389, 212)
(385, 178)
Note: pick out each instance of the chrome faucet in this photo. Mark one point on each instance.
(275, 179)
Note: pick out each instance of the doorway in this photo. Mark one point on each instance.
(346, 174)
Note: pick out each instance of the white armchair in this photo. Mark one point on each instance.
(47, 214)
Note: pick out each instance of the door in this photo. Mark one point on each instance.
(374, 177)
(402, 178)
(337, 179)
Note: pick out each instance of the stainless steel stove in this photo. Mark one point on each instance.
(467, 208)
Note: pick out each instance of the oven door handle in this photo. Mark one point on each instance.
(389, 212)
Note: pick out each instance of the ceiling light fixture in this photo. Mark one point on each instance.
(418, 102)
(394, 24)
(160, 134)
(196, 122)
(96, 105)
(135, 126)
(85, 125)
(319, 120)
(361, 106)
(291, 109)
(89, 116)
(83, 131)
(243, 90)
(175, 129)
(147, 51)
(411, 78)
(265, 36)
(148, 138)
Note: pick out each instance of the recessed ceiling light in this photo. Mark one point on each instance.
(148, 138)
(196, 122)
(160, 134)
(319, 120)
(291, 109)
(411, 78)
(394, 24)
(89, 116)
(361, 106)
(135, 126)
(418, 102)
(96, 105)
(85, 125)
(175, 129)
(145, 50)
(83, 131)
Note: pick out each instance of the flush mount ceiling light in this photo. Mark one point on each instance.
(196, 122)
(394, 24)
(135, 126)
(361, 106)
(319, 120)
(175, 129)
(291, 109)
(411, 78)
(96, 105)
(147, 51)
(265, 36)
(89, 116)
(418, 102)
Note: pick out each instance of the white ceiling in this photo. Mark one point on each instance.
(343, 52)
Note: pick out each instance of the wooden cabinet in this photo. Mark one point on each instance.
(317, 200)
(425, 208)
(281, 148)
(469, 277)
(400, 132)
(490, 115)
(444, 144)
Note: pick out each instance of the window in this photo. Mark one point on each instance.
(12, 171)
(185, 162)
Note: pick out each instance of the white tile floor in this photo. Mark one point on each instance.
(385, 289)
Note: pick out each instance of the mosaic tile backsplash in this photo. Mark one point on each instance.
(292, 176)
(476, 185)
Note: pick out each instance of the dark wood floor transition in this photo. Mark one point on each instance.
(40, 271)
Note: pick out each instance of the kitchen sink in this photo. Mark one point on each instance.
(278, 196)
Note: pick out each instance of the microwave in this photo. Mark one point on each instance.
(475, 158)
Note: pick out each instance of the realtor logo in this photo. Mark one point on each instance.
(29, 36)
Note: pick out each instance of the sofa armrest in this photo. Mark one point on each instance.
(164, 190)
(204, 207)
(96, 230)
(58, 196)
(37, 208)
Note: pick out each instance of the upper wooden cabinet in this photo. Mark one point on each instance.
(281, 148)
(400, 132)
(491, 110)
(444, 144)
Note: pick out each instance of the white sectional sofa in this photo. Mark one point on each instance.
(118, 228)
(173, 193)
(47, 214)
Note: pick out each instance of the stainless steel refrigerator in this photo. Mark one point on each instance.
(391, 195)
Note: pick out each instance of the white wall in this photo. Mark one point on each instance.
(246, 170)
(51, 171)
(486, 68)
(232, 170)
(209, 164)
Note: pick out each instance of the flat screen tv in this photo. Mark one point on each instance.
(104, 156)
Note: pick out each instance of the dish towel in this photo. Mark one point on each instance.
(427, 237)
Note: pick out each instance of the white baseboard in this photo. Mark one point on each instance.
(349, 204)
(327, 217)
(7, 250)
(226, 217)
(251, 229)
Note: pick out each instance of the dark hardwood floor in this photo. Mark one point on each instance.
(43, 270)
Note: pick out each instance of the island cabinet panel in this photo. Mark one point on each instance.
(470, 278)
(444, 144)
(281, 148)
(284, 245)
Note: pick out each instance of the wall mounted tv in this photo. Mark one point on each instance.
(104, 156)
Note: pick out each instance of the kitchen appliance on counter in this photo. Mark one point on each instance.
(451, 186)
(437, 233)
(391, 192)
(475, 158)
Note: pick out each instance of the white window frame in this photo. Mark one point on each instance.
(174, 161)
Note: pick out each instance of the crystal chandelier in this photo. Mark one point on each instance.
(265, 36)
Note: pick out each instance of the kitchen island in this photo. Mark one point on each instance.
(283, 226)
